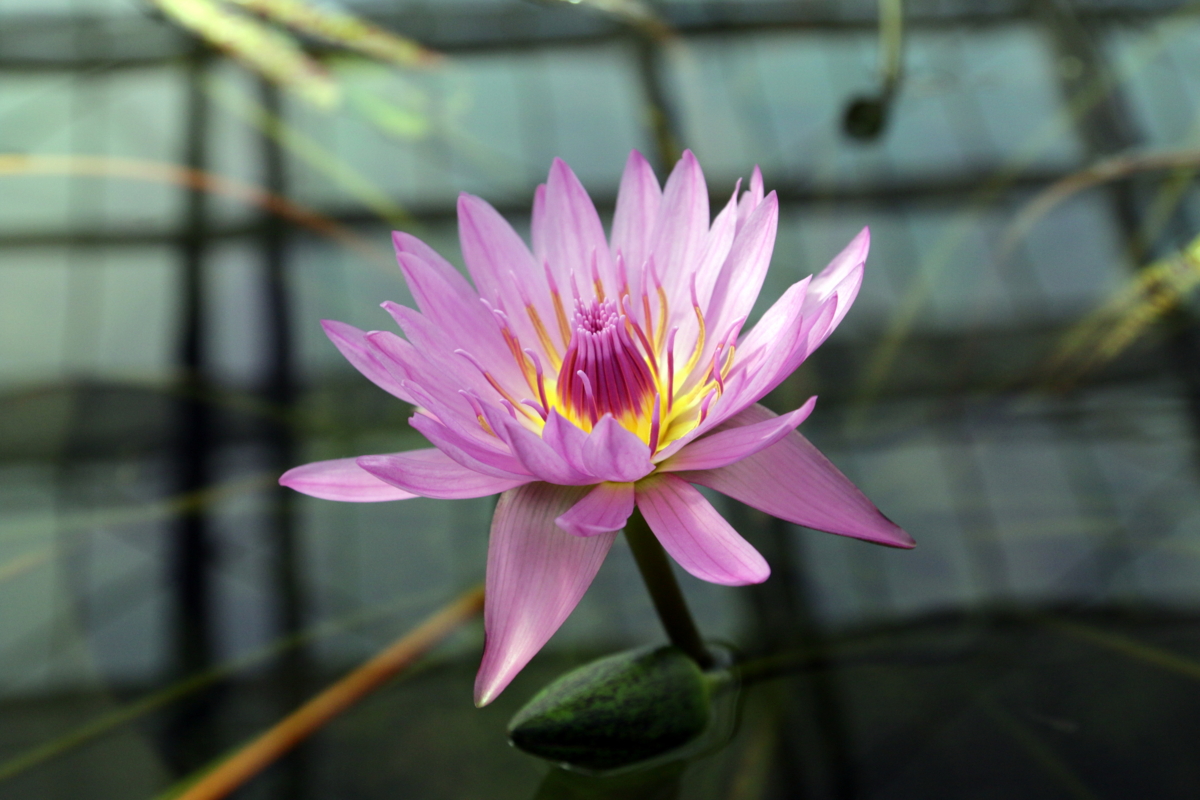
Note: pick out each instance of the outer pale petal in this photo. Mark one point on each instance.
(843, 277)
(606, 508)
(613, 453)
(432, 473)
(535, 455)
(728, 446)
(566, 438)
(407, 243)
(680, 233)
(502, 267)
(751, 198)
(536, 574)
(741, 277)
(466, 451)
(793, 481)
(769, 359)
(782, 329)
(465, 322)
(341, 479)
(695, 535)
(572, 230)
(354, 345)
(636, 213)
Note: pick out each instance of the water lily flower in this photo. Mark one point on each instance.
(592, 374)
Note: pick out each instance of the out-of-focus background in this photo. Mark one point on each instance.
(1018, 384)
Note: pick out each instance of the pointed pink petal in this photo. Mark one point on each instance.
(353, 344)
(727, 446)
(573, 232)
(341, 479)
(793, 481)
(843, 277)
(502, 267)
(469, 452)
(751, 198)
(565, 438)
(770, 356)
(613, 453)
(537, 225)
(536, 574)
(432, 386)
(604, 509)
(407, 243)
(782, 330)
(695, 535)
(432, 473)
(680, 233)
(742, 275)
(716, 250)
(436, 347)
(636, 213)
(535, 455)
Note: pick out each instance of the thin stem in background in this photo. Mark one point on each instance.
(263, 751)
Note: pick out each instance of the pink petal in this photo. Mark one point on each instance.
(793, 481)
(536, 574)
(353, 344)
(468, 452)
(502, 267)
(727, 446)
(695, 535)
(770, 354)
(742, 275)
(537, 224)
(573, 232)
(716, 251)
(432, 473)
(432, 386)
(341, 479)
(751, 198)
(782, 330)
(843, 277)
(535, 455)
(635, 216)
(680, 233)
(613, 453)
(566, 438)
(407, 243)
(465, 322)
(604, 509)
(435, 347)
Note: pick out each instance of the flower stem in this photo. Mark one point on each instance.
(664, 590)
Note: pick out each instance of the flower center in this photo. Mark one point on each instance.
(602, 371)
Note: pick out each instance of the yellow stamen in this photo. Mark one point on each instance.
(560, 313)
(695, 359)
(544, 337)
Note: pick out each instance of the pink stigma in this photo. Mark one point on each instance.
(603, 372)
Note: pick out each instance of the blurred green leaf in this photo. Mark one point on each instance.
(342, 28)
(263, 49)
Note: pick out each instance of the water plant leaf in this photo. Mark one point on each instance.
(616, 711)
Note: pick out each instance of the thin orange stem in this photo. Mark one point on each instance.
(310, 717)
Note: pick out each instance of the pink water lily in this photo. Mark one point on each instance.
(590, 375)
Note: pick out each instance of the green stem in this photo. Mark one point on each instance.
(664, 590)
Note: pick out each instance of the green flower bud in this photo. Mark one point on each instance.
(616, 711)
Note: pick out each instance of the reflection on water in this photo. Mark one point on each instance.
(162, 602)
